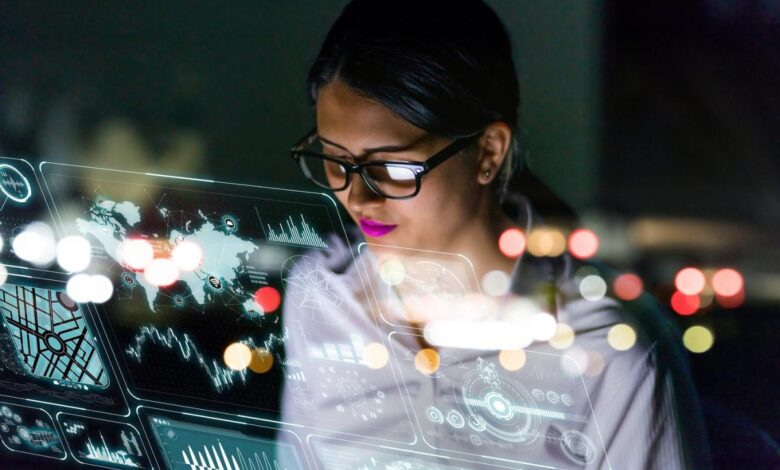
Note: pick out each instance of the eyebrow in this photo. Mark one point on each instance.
(384, 148)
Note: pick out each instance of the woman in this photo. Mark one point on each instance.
(398, 83)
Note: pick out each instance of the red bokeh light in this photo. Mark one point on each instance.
(583, 243)
(685, 304)
(628, 286)
(732, 301)
(161, 272)
(727, 282)
(690, 281)
(268, 298)
(512, 242)
(137, 253)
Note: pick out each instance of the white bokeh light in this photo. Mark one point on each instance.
(35, 244)
(187, 255)
(3, 274)
(495, 283)
(161, 272)
(74, 253)
(593, 287)
(136, 253)
(543, 326)
(79, 288)
(102, 289)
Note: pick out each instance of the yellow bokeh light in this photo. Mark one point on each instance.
(392, 271)
(237, 356)
(698, 339)
(564, 337)
(262, 361)
(512, 360)
(375, 355)
(427, 361)
(546, 242)
(621, 337)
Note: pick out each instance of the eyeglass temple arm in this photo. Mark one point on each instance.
(455, 147)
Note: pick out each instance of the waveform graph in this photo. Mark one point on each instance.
(295, 231)
(51, 336)
(104, 443)
(197, 446)
(30, 431)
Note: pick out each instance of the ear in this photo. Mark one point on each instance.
(493, 147)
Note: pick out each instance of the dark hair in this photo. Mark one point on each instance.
(445, 66)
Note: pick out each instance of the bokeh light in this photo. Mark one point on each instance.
(79, 288)
(621, 337)
(698, 339)
(35, 244)
(101, 288)
(3, 274)
(268, 298)
(546, 242)
(237, 356)
(512, 360)
(685, 304)
(628, 286)
(689, 281)
(136, 253)
(74, 253)
(391, 271)
(575, 362)
(187, 255)
(262, 361)
(543, 326)
(161, 272)
(564, 337)
(727, 282)
(733, 301)
(512, 242)
(593, 287)
(427, 361)
(583, 243)
(495, 283)
(375, 355)
(596, 364)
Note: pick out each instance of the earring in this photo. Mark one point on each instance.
(486, 173)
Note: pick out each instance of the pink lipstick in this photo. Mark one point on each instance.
(372, 228)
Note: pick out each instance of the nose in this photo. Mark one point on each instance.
(361, 197)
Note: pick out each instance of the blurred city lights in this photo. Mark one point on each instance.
(727, 282)
(375, 355)
(689, 281)
(593, 287)
(543, 326)
(268, 298)
(495, 283)
(621, 337)
(512, 359)
(733, 301)
(391, 271)
(161, 272)
(564, 337)
(480, 334)
(136, 253)
(546, 242)
(685, 304)
(187, 255)
(512, 242)
(628, 286)
(427, 361)
(698, 339)
(237, 356)
(35, 244)
(74, 253)
(583, 243)
(262, 361)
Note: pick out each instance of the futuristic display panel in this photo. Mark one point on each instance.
(51, 337)
(104, 443)
(189, 442)
(30, 431)
(536, 414)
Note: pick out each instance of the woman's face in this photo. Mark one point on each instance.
(448, 199)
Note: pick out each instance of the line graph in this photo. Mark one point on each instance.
(222, 378)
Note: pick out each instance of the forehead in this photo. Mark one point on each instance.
(346, 117)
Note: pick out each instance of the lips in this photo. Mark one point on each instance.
(372, 228)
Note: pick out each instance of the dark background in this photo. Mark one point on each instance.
(657, 121)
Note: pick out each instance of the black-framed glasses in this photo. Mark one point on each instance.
(387, 178)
